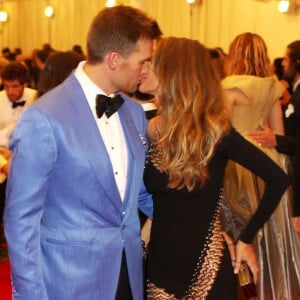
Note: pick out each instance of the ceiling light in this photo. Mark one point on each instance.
(283, 6)
(110, 3)
(49, 11)
(3, 16)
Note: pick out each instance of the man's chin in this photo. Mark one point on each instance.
(132, 90)
(289, 76)
(140, 88)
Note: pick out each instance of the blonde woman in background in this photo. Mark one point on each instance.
(253, 94)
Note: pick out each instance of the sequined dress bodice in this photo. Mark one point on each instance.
(185, 224)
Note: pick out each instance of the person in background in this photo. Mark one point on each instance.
(78, 49)
(6, 52)
(289, 143)
(252, 94)
(218, 58)
(48, 48)
(14, 100)
(39, 57)
(71, 216)
(16, 96)
(57, 68)
(5, 155)
(192, 141)
(3, 63)
(279, 72)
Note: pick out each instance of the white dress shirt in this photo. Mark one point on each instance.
(148, 106)
(110, 129)
(9, 115)
(296, 85)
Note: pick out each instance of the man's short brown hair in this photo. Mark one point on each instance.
(118, 29)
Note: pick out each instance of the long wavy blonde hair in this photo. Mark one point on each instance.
(248, 55)
(191, 110)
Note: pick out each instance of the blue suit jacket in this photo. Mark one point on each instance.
(65, 223)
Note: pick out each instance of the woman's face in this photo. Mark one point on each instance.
(149, 83)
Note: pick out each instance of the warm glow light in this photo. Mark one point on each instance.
(190, 1)
(49, 11)
(110, 3)
(3, 16)
(283, 6)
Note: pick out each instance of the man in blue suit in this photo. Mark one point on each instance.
(75, 183)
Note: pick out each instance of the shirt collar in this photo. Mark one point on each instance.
(88, 86)
(296, 85)
(148, 106)
(90, 89)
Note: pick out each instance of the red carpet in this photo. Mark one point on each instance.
(5, 287)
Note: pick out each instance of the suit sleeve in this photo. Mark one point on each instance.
(290, 145)
(296, 185)
(34, 155)
(287, 144)
(145, 198)
(145, 203)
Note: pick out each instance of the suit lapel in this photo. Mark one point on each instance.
(92, 142)
(135, 148)
(95, 149)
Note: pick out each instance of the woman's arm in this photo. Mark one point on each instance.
(275, 119)
(276, 181)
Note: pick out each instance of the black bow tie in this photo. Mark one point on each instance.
(107, 105)
(19, 103)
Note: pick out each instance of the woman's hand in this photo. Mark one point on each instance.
(245, 253)
(145, 233)
(264, 137)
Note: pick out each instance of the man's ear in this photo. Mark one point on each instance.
(113, 59)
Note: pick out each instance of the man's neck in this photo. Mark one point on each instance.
(98, 75)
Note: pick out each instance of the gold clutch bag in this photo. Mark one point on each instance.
(246, 282)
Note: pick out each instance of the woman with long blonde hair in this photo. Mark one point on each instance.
(252, 95)
(191, 141)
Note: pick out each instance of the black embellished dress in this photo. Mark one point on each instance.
(188, 258)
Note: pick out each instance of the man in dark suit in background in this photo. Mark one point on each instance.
(289, 143)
